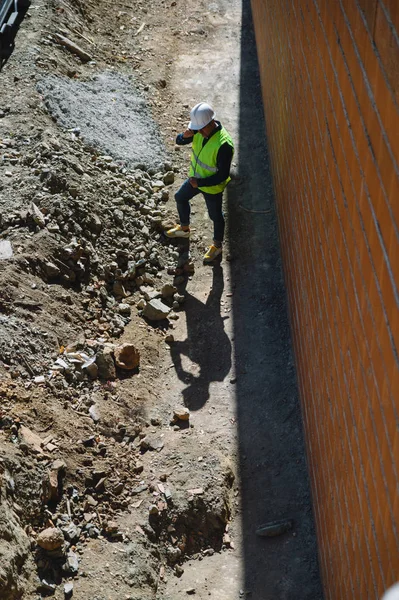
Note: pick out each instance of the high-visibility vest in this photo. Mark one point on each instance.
(203, 158)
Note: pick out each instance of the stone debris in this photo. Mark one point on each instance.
(169, 178)
(168, 290)
(37, 215)
(68, 589)
(156, 310)
(105, 363)
(48, 586)
(50, 539)
(152, 443)
(71, 532)
(72, 562)
(52, 485)
(94, 412)
(127, 357)
(31, 439)
(196, 492)
(90, 367)
(6, 251)
(181, 413)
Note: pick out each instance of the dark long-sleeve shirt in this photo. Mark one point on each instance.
(223, 160)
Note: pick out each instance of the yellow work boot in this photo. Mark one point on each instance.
(177, 232)
(212, 253)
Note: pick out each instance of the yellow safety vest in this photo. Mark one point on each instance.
(203, 158)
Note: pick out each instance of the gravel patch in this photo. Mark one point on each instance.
(110, 114)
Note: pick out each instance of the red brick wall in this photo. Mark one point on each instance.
(330, 80)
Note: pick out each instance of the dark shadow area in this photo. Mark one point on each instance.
(273, 470)
(207, 345)
(7, 38)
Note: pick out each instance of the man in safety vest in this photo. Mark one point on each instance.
(212, 153)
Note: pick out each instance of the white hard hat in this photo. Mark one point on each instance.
(200, 116)
(392, 593)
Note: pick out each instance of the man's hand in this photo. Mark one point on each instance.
(189, 133)
(193, 181)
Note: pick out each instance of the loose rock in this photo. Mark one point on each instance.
(68, 589)
(50, 539)
(169, 178)
(6, 251)
(94, 412)
(105, 364)
(127, 357)
(156, 310)
(168, 290)
(181, 413)
(72, 562)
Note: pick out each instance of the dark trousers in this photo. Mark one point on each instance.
(213, 204)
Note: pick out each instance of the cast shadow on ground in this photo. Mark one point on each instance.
(207, 347)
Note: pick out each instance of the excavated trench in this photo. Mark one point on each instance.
(86, 196)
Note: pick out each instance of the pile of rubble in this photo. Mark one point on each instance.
(94, 228)
(169, 524)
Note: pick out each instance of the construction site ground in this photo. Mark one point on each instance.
(157, 478)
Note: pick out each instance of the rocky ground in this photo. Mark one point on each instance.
(120, 467)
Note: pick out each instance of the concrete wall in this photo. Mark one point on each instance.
(330, 80)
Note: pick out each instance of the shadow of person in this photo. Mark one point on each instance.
(207, 346)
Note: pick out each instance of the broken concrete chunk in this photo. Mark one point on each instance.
(127, 356)
(68, 589)
(149, 293)
(156, 310)
(6, 251)
(94, 412)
